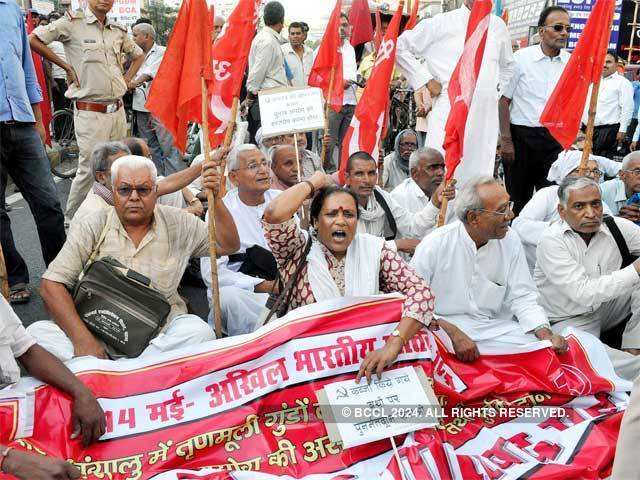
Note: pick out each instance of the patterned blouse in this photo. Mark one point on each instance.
(287, 243)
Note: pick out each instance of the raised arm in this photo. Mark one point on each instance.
(285, 205)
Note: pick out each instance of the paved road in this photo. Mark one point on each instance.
(26, 239)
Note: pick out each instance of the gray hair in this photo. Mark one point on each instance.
(146, 28)
(417, 155)
(469, 199)
(133, 162)
(233, 160)
(630, 158)
(101, 154)
(570, 184)
(273, 151)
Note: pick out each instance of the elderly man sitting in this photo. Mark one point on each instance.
(153, 240)
(101, 194)
(380, 214)
(585, 278)
(477, 269)
(284, 167)
(247, 277)
(622, 195)
(88, 417)
(426, 166)
(396, 165)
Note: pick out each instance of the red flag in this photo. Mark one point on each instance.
(565, 107)
(230, 56)
(360, 20)
(175, 97)
(413, 19)
(377, 37)
(463, 83)
(328, 59)
(45, 105)
(368, 121)
(505, 16)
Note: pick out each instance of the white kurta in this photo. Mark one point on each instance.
(488, 293)
(440, 41)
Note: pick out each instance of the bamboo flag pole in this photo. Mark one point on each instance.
(326, 115)
(4, 277)
(593, 106)
(213, 245)
(228, 137)
(295, 143)
(442, 214)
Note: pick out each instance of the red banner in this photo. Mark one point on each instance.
(245, 407)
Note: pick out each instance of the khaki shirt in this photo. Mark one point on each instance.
(96, 53)
(14, 342)
(162, 256)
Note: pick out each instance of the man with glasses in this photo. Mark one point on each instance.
(244, 286)
(622, 194)
(396, 164)
(528, 149)
(426, 166)
(584, 278)
(153, 240)
(614, 110)
(478, 272)
(167, 158)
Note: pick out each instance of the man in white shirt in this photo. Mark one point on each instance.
(266, 63)
(617, 192)
(614, 111)
(439, 41)
(242, 295)
(426, 166)
(380, 214)
(583, 278)
(165, 156)
(339, 121)
(528, 149)
(59, 77)
(477, 269)
(298, 56)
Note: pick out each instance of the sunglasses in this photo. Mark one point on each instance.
(127, 191)
(559, 27)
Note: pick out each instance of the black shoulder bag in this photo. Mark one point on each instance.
(387, 211)
(627, 258)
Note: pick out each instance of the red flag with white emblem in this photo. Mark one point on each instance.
(368, 120)
(463, 83)
(230, 55)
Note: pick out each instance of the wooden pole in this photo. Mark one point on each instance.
(326, 115)
(442, 214)
(213, 245)
(593, 106)
(228, 138)
(295, 142)
(4, 277)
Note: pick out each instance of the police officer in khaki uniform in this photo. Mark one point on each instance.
(95, 48)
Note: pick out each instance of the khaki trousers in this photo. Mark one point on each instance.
(91, 128)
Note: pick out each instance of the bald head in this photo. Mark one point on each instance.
(284, 164)
(427, 169)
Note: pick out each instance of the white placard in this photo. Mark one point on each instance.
(43, 7)
(290, 110)
(358, 413)
(125, 12)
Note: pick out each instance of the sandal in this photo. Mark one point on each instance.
(19, 294)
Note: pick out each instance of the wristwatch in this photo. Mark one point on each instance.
(396, 333)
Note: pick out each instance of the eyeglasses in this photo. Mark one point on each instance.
(635, 172)
(595, 173)
(503, 212)
(256, 167)
(559, 27)
(408, 145)
(127, 191)
(430, 169)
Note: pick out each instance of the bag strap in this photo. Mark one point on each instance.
(627, 258)
(287, 292)
(387, 211)
(101, 238)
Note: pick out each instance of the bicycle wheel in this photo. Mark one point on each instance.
(64, 153)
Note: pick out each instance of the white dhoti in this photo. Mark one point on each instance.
(183, 331)
(240, 310)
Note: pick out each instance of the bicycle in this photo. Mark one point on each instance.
(64, 148)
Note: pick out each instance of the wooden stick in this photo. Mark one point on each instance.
(442, 214)
(326, 115)
(4, 277)
(213, 245)
(397, 455)
(228, 137)
(295, 142)
(593, 106)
